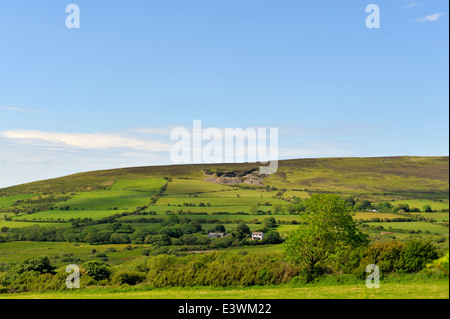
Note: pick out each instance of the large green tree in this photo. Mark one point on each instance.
(327, 228)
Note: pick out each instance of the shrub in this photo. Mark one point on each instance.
(97, 270)
(386, 255)
(219, 269)
(441, 263)
(39, 264)
(128, 277)
(416, 255)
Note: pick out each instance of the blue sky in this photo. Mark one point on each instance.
(108, 94)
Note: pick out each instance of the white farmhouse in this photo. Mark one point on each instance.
(257, 235)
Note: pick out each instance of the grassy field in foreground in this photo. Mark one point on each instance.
(432, 290)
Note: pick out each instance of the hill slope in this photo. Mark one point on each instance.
(414, 177)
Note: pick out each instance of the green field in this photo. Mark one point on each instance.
(18, 224)
(369, 215)
(425, 290)
(223, 201)
(436, 216)
(419, 203)
(7, 201)
(183, 186)
(102, 200)
(146, 185)
(13, 252)
(422, 226)
(65, 215)
(297, 194)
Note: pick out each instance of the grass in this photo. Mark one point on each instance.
(412, 177)
(215, 201)
(212, 209)
(426, 290)
(422, 226)
(436, 216)
(247, 218)
(419, 203)
(368, 216)
(182, 186)
(147, 185)
(7, 201)
(231, 193)
(298, 194)
(103, 200)
(18, 224)
(13, 252)
(65, 215)
(406, 176)
(417, 181)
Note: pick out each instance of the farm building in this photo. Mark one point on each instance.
(257, 236)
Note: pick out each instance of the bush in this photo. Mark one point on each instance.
(128, 277)
(97, 270)
(417, 255)
(441, 263)
(387, 256)
(273, 237)
(40, 264)
(397, 257)
(218, 269)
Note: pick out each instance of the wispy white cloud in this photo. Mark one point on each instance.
(155, 131)
(20, 109)
(411, 5)
(94, 141)
(430, 18)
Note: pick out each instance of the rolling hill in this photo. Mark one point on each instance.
(402, 177)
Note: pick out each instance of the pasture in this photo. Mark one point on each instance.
(415, 226)
(370, 215)
(104, 200)
(219, 201)
(388, 290)
(19, 224)
(14, 252)
(146, 185)
(419, 203)
(7, 201)
(440, 217)
(66, 215)
(188, 186)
